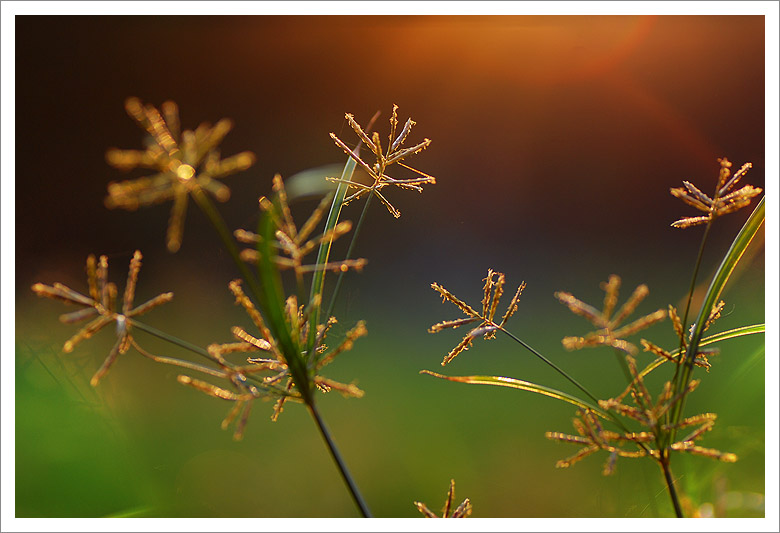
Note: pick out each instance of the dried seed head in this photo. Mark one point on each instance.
(395, 154)
(611, 295)
(186, 162)
(608, 335)
(724, 202)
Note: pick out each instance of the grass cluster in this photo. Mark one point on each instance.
(290, 301)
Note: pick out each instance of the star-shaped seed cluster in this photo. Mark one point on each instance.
(702, 355)
(486, 326)
(592, 437)
(609, 332)
(462, 511)
(395, 153)
(294, 243)
(100, 306)
(269, 376)
(186, 162)
(724, 200)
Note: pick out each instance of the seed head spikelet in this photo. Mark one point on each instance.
(645, 411)
(701, 357)
(608, 333)
(486, 326)
(293, 243)
(724, 200)
(462, 511)
(101, 307)
(377, 171)
(185, 162)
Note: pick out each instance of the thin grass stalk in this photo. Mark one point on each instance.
(574, 382)
(355, 234)
(670, 486)
(718, 337)
(730, 260)
(353, 489)
(691, 290)
(623, 365)
(212, 213)
(195, 349)
(170, 338)
(553, 365)
(318, 279)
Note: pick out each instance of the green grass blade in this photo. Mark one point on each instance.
(317, 283)
(722, 276)
(272, 303)
(732, 257)
(718, 337)
(522, 385)
(733, 333)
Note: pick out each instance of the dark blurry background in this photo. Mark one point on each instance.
(555, 142)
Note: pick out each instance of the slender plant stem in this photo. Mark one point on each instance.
(318, 280)
(553, 365)
(207, 206)
(227, 239)
(170, 338)
(670, 486)
(576, 383)
(353, 489)
(691, 289)
(355, 234)
(678, 380)
(623, 365)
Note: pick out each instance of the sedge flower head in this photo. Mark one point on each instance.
(100, 306)
(377, 172)
(187, 162)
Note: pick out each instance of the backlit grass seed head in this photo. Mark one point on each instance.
(702, 355)
(724, 200)
(645, 411)
(486, 326)
(294, 243)
(268, 375)
(609, 332)
(100, 307)
(185, 161)
(462, 511)
(394, 154)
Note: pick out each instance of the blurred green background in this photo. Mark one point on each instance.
(555, 141)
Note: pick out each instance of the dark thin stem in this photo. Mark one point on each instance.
(686, 361)
(353, 489)
(207, 206)
(623, 365)
(553, 365)
(670, 486)
(576, 383)
(170, 338)
(195, 349)
(691, 289)
(355, 234)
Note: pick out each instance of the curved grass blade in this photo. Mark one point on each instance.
(732, 257)
(522, 385)
(323, 253)
(317, 283)
(718, 337)
(723, 274)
